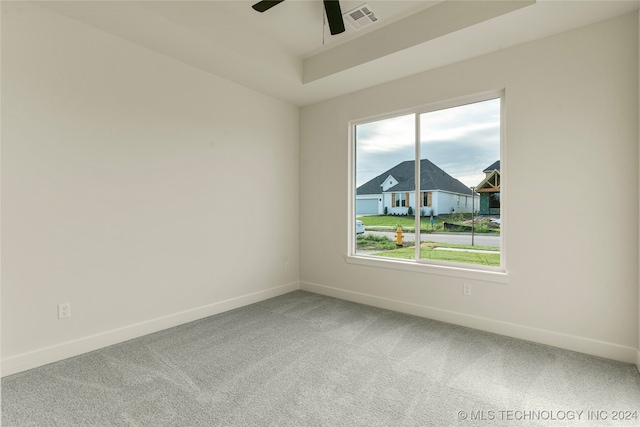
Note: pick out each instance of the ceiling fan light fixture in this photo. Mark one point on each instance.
(331, 8)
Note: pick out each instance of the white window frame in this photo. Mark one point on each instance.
(459, 270)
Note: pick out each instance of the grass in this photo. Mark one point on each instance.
(460, 246)
(428, 251)
(371, 242)
(390, 222)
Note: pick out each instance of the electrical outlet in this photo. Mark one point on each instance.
(64, 310)
(286, 266)
(466, 289)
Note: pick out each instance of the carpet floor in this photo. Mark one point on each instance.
(304, 359)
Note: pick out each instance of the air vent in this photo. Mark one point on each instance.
(360, 17)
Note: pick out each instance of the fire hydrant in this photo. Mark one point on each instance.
(399, 237)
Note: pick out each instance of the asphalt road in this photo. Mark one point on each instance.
(459, 238)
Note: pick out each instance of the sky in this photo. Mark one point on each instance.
(462, 141)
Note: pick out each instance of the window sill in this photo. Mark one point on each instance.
(442, 270)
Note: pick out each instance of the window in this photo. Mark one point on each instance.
(426, 199)
(442, 153)
(494, 200)
(399, 199)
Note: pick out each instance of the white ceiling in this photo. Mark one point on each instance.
(289, 54)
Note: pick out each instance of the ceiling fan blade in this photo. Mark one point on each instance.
(265, 5)
(334, 16)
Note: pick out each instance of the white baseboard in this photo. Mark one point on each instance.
(43, 356)
(556, 339)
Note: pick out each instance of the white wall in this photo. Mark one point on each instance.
(442, 203)
(446, 201)
(143, 191)
(571, 138)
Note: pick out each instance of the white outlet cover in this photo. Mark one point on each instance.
(64, 310)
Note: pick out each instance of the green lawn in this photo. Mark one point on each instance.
(372, 242)
(428, 251)
(390, 222)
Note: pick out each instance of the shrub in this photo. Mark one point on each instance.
(373, 238)
(457, 217)
(374, 242)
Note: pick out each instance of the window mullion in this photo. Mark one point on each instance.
(416, 190)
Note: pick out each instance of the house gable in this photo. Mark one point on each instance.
(388, 183)
(491, 184)
(495, 166)
(489, 190)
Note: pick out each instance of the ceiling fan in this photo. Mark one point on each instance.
(331, 7)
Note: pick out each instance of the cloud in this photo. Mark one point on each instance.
(462, 141)
(383, 144)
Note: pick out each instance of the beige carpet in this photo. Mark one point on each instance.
(307, 360)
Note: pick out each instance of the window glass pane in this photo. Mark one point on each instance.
(385, 187)
(460, 150)
(456, 201)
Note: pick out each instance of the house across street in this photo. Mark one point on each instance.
(393, 192)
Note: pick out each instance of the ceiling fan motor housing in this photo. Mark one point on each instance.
(331, 8)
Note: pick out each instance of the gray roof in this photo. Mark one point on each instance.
(495, 166)
(432, 178)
